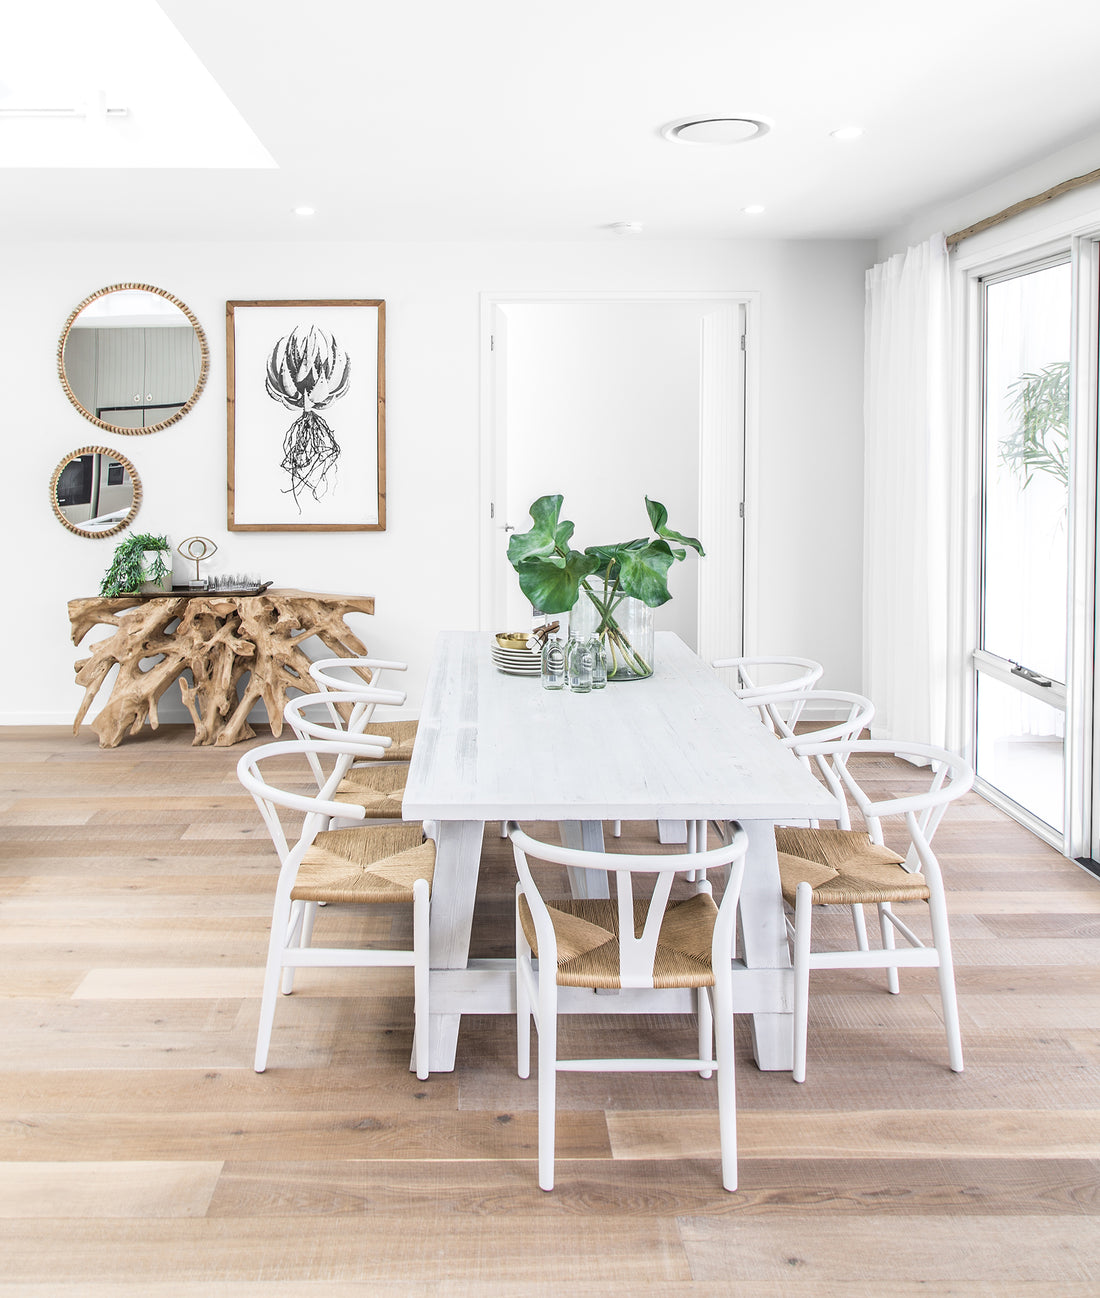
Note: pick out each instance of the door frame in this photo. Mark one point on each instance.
(490, 484)
(1081, 818)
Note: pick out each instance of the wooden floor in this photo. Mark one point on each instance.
(141, 1155)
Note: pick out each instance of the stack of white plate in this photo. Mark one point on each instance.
(517, 662)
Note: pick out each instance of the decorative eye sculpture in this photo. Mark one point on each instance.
(198, 548)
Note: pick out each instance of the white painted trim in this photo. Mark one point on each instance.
(1003, 803)
(1076, 698)
(1083, 724)
(750, 300)
(44, 718)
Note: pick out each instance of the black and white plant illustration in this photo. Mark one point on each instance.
(308, 370)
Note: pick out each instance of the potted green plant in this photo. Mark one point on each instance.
(617, 580)
(138, 566)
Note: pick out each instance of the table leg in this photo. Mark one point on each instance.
(586, 835)
(764, 943)
(457, 860)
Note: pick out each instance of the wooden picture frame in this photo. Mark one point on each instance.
(306, 415)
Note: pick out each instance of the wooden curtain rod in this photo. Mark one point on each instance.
(1024, 205)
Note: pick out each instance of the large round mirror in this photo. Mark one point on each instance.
(95, 491)
(132, 358)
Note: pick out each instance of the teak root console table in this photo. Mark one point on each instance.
(217, 638)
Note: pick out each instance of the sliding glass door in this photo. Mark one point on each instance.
(1020, 660)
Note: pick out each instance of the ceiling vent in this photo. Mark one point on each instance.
(716, 129)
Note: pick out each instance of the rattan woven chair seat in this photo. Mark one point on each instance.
(403, 734)
(844, 868)
(378, 789)
(588, 944)
(379, 863)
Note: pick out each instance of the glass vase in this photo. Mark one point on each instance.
(624, 626)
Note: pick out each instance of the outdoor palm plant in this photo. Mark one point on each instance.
(1039, 407)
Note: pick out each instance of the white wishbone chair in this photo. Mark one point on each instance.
(362, 865)
(632, 944)
(358, 676)
(758, 676)
(852, 867)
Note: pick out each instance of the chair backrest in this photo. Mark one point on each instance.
(769, 675)
(352, 674)
(637, 951)
(948, 778)
(340, 716)
(780, 712)
(317, 808)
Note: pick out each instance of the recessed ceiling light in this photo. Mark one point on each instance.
(305, 211)
(847, 133)
(753, 209)
(625, 227)
(717, 129)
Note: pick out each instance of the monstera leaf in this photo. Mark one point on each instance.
(553, 584)
(551, 573)
(658, 517)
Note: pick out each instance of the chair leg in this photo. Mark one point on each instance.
(548, 1079)
(859, 923)
(893, 983)
(803, 913)
(727, 1087)
(301, 935)
(523, 999)
(421, 1021)
(946, 974)
(706, 1031)
(275, 947)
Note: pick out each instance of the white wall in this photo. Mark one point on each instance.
(1078, 159)
(423, 570)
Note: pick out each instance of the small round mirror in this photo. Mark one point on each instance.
(95, 491)
(132, 358)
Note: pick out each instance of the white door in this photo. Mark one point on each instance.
(606, 402)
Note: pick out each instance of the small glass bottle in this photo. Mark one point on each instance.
(580, 662)
(553, 663)
(599, 664)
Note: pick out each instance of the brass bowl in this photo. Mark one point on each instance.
(513, 639)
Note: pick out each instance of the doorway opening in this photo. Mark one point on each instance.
(606, 400)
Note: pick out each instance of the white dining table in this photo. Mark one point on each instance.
(679, 745)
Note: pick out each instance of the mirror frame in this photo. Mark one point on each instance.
(135, 483)
(204, 363)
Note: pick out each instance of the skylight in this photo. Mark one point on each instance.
(113, 85)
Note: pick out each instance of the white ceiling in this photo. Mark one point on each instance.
(508, 119)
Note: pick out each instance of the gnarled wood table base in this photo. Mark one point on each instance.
(218, 640)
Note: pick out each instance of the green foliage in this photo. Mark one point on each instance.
(127, 570)
(552, 575)
(1039, 406)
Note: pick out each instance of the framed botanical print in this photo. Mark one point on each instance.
(306, 389)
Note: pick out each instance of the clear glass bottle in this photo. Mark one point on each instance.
(580, 663)
(553, 663)
(599, 664)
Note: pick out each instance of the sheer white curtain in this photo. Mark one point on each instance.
(907, 429)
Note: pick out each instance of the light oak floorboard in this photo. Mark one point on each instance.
(141, 1155)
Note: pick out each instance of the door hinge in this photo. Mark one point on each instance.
(742, 342)
(492, 343)
(741, 509)
(492, 510)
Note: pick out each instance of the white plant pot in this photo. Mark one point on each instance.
(155, 587)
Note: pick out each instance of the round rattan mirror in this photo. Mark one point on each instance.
(132, 358)
(95, 491)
